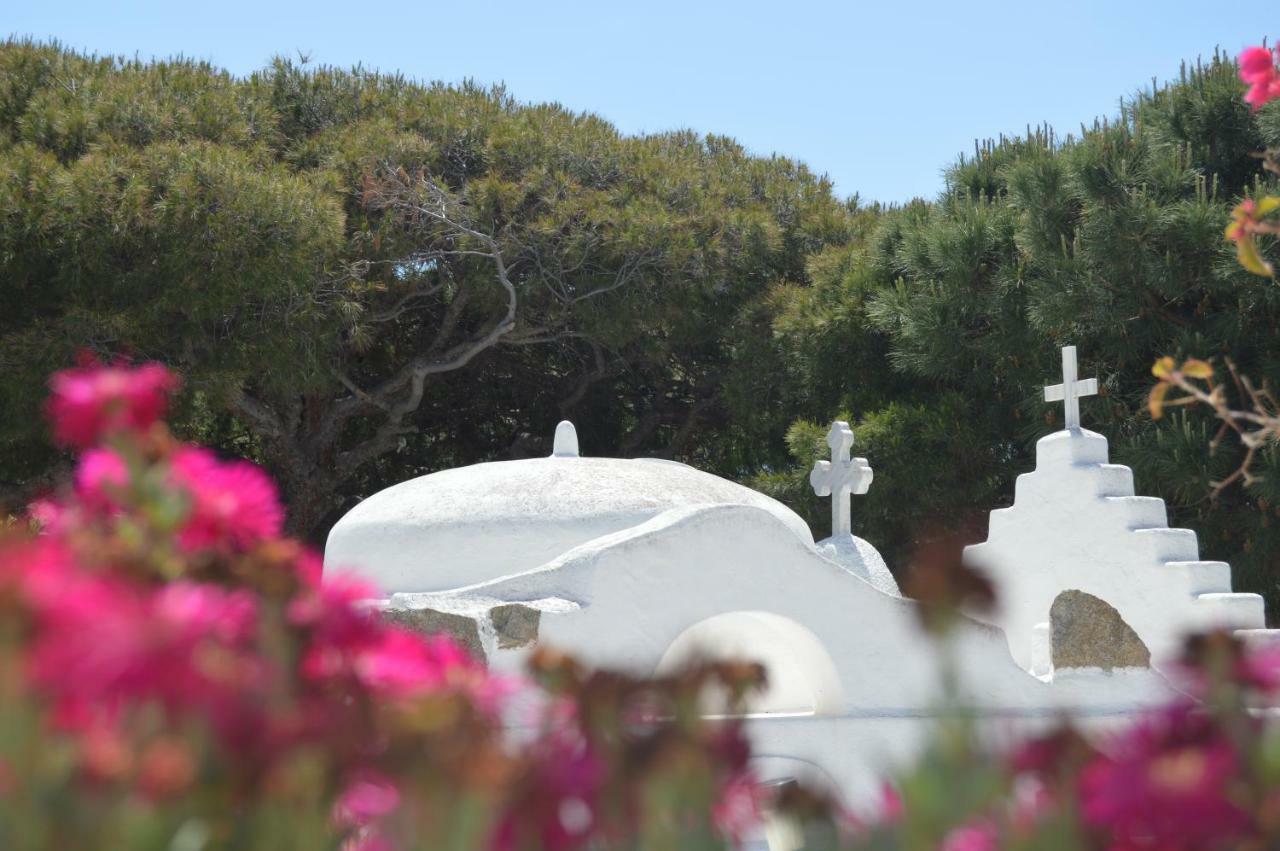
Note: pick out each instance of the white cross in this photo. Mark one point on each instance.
(1070, 390)
(840, 476)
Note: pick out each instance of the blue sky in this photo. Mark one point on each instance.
(879, 96)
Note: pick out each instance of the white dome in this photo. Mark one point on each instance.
(460, 527)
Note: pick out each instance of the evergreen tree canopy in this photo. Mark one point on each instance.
(361, 277)
(1111, 240)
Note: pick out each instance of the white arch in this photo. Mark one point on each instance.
(802, 679)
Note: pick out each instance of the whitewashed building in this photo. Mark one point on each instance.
(646, 564)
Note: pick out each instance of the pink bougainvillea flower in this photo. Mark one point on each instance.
(196, 610)
(1258, 71)
(101, 479)
(367, 797)
(891, 805)
(49, 514)
(333, 609)
(556, 806)
(347, 643)
(234, 504)
(106, 640)
(978, 836)
(1257, 63)
(37, 572)
(89, 402)
(737, 811)
(1260, 669)
(1167, 784)
(402, 663)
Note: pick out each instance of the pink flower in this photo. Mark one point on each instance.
(368, 796)
(556, 805)
(1167, 784)
(104, 642)
(892, 808)
(38, 573)
(1262, 93)
(980, 836)
(1258, 70)
(1260, 669)
(348, 645)
(1257, 63)
(101, 478)
(737, 810)
(50, 515)
(233, 504)
(90, 402)
(404, 663)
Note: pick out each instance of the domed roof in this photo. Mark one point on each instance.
(472, 524)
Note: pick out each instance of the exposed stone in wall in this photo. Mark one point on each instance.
(1087, 632)
(515, 625)
(430, 621)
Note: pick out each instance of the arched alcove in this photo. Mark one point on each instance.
(802, 679)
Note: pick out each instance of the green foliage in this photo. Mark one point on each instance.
(687, 299)
(231, 227)
(1111, 240)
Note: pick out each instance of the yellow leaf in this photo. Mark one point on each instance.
(1267, 206)
(1196, 368)
(1163, 368)
(1155, 402)
(1251, 258)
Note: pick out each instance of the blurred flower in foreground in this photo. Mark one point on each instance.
(1258, 70)
(946, 587)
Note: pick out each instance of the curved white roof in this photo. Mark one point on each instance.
(472, 524)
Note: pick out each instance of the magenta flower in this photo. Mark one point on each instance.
(90, 402)
(978, 836)
(1257, 63)
(105, 641)
(1167, 784)
(557, 809)
(737, 811)
(233, 503)
(101, 479)
(368, 796)
(1258, 71)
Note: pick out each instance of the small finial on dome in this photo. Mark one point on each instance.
(566, 442)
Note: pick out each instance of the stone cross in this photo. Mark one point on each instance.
(840, 477)
(1070, 390)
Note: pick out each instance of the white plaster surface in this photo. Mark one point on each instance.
(802, 678)
(472, 524)
(861, 559)
(859, 683)
(645, 565)
(1076, 524)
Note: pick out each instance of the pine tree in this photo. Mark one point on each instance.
(1110, 240)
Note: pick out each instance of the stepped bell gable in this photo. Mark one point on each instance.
(1075, 523)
